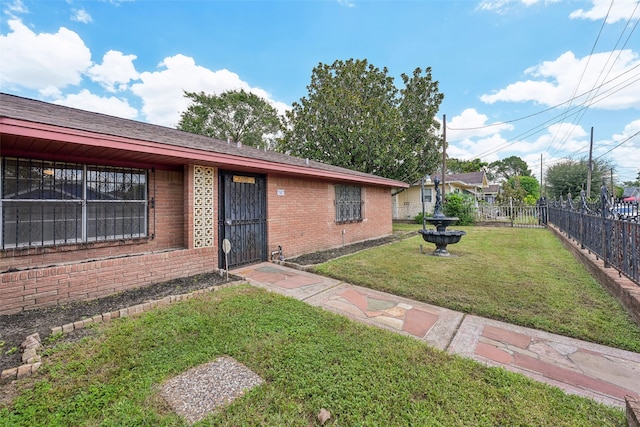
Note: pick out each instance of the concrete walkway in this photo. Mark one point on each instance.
(602, 373)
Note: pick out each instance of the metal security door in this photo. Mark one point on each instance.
(243, 218)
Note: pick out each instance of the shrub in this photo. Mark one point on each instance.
(418, 217)
(460, 206)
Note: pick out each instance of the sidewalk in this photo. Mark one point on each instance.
(602, 373)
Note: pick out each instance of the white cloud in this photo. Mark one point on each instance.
(470, 124)
(162, 91)
(81, 15)
(112, 106)
(555, 82)
(346, 3)
(469, 136)
(477, 139)
(503, 6)
(563, 137)
(624, 147)
(115, 72)
(39, 61)
(15, 8)
(621, 10)
(469, 149)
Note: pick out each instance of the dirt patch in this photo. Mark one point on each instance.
(15, 328)
(324, 256)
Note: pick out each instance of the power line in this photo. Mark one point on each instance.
(596, 87)
(593, 95)
(549, 108)
(618, 145)
(540, 127)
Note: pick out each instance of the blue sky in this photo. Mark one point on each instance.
(520, 77)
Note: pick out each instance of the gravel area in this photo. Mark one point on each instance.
(198, 392)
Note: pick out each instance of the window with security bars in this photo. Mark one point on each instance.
(52, 203)
(348, 203)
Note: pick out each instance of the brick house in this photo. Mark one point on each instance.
(92, 204)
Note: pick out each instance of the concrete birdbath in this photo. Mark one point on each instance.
(440, 236)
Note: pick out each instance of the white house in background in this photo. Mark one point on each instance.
(408, 202)
(491, 193)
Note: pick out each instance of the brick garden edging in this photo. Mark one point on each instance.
(32, 359)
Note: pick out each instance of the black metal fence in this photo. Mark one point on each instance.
(611, 231)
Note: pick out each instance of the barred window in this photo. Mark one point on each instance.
(348, 203)
(51, 203)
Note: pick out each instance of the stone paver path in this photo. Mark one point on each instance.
(602, 373)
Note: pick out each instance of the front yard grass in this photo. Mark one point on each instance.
(309, 358)
(517, 275)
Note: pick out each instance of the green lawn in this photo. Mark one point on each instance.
(309, 358)
(518, 275)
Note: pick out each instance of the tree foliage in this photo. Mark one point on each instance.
(635, 183)
(570, 176)
(521, 190)
(465, 166)
(355, 117)
(504, 169)
(239, 115)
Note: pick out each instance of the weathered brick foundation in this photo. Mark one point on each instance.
(46, 286)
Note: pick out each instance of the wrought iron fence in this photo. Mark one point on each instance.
(611, 231)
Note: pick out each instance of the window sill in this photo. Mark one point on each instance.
(48, 249)
(350, 221)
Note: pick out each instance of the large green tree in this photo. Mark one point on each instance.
(504, 169)
(570, 176)
(465, 166)
(521, 189)
(355, 117)
(242, 116)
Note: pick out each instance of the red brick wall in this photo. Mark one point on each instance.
(41, 287)
(303, 219)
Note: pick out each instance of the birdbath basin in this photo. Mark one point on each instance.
(441, 239)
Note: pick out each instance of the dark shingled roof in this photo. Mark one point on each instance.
(467, 178)
(19, 108)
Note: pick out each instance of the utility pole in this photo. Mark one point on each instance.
(444, 150)
(589, 166)
(613, 192)
(541, 175)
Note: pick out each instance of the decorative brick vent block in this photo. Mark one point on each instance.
(203, 181)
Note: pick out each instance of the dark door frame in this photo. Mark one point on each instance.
(242, 217)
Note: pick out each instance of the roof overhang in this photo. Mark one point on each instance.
(21, 138)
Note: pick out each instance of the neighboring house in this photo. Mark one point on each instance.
(491, 193)
(407, 203)
(631, 194)
(92, 204)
